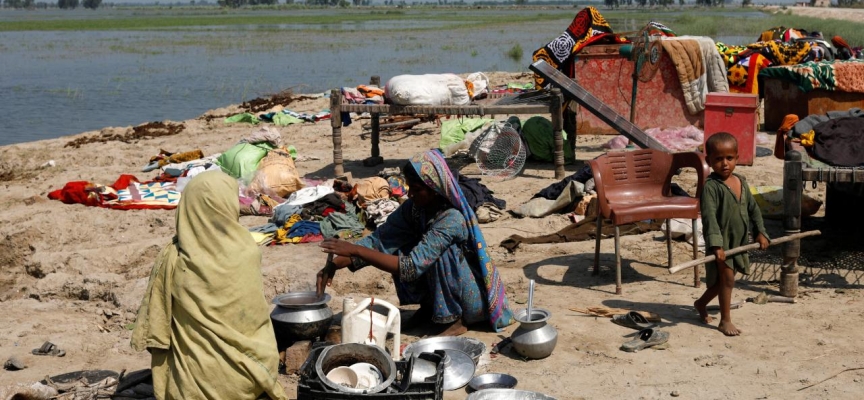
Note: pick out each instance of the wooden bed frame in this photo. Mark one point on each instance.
(481, 108)
(795, 173)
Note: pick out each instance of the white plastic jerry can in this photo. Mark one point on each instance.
(358, 320)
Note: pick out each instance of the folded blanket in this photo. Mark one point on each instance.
(686, 55)
(715, 67)
(845, 76)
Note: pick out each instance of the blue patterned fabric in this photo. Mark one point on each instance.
(442, 257)
(433, 270)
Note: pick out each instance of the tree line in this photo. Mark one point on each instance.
(64, 4)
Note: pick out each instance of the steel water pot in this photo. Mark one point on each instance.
(534, 338)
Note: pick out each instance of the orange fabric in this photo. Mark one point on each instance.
(757, 63)
(780, 140)
(849, 77)
(370, 91)
(788, 122)
(838, 42)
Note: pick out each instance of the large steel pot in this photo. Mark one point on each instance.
(534, 338)
(301, 316)
(347, 354)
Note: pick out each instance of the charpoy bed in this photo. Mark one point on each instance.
(487, 107)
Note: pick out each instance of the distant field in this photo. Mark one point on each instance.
(704, 22)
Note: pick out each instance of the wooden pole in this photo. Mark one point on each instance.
(793, 190)
(557, 131)
(375, 119)
(741, 249)
(336, 124)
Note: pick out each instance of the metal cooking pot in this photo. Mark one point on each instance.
(534, 338)
(301, 316)
(347, 354)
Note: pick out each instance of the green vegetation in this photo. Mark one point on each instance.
(334, 23)
(515, 52)
(707, 25)
(204, 18)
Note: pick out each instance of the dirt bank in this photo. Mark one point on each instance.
(75, 275)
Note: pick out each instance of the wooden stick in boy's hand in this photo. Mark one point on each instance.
(741, 249)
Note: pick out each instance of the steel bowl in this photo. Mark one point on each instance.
(507, 394)
(301, 299)
(492, 381)
(473, 347)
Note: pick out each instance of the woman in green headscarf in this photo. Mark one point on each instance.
(204, 318)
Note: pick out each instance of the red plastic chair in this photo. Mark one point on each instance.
(636, 186)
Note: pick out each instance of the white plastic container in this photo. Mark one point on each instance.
(356, 321)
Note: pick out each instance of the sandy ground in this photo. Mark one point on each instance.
(64, 268)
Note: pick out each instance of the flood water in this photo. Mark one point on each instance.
(60, 83)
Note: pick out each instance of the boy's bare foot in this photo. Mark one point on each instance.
(728, 328)
(703, 312)
(455, 329)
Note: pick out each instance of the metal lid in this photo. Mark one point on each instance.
(300, 299)
(458, 369)
(473, 347)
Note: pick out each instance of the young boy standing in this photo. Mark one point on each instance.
(728, 209)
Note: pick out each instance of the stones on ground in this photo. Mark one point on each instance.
(674, 393)
(715, 360)
(14, 364)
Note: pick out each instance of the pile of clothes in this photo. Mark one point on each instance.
(280, 117)
(836, 138)
(780, 46)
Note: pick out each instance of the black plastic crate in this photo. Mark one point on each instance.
(310, 386)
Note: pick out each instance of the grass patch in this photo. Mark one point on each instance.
(166, 20)
(515, 52)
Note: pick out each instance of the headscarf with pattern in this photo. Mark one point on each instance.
(435, 173)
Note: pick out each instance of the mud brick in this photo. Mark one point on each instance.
(296, 355)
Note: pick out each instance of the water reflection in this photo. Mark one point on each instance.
(63, 83)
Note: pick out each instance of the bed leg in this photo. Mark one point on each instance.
(375, 125)
(793, 189)
(336, 124)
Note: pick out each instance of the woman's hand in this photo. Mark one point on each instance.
(325, 278)
(325, 275)
(339, 247)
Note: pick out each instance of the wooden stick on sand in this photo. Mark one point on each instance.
(741, 249)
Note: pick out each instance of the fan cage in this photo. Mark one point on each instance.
(500, 152)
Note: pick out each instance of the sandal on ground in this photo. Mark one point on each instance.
(632, 320)
(49, 349)
(646, 339)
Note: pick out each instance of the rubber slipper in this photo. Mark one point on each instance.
(149, 167)
(632, 320)
(49, 349)
(646, 339)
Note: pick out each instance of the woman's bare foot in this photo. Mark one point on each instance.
(703, 312)
(728, 328)
(455, 329)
